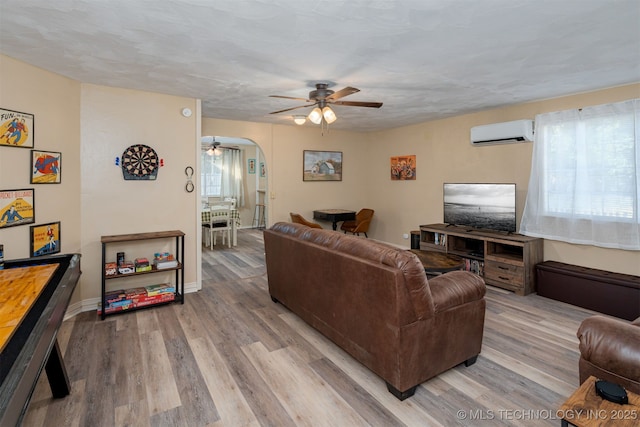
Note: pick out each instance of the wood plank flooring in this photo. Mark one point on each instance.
(231, 357)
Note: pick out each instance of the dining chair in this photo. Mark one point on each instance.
(220, 222)
(232, 200)
(360, 224)
(297, 218)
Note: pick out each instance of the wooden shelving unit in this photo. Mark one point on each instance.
(503, 260)
(179, 270)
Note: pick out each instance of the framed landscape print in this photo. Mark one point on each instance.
(46, 167)
(16, 128)
(322, 166)
(403, 168)
(45, 239)
(17, 207)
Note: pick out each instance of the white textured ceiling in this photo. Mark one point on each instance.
(424, 59)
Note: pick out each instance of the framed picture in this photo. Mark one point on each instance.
(16, 128)
(251, 163)
(46, 167)
(403, 168)
(45, 239)
(17, 207)
(263, 171)
(322, 166)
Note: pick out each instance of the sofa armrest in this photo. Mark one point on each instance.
(611, 344)
(456, 288)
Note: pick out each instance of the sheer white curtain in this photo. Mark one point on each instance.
(585, 173)
(232, 176)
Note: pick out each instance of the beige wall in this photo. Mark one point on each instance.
(444, 154)
(283, 148)
(55, 103)
(91, 125)
(112, 120)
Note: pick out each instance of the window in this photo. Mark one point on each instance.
(584, 177)
(211, 174)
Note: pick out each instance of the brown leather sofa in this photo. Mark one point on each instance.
(610, 350)
(374, 301)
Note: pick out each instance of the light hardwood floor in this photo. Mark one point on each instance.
(231, 357)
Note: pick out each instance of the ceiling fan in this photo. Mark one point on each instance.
(321, 97)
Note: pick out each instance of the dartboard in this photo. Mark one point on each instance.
(139, 162)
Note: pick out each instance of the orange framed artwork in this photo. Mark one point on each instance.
(16, 128)
(45, 239)
(403, 168)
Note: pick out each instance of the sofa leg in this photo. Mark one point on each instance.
(470, 361)
(401, 395)
(274, 299)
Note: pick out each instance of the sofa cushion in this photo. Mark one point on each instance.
(408, 263)
(455, 288)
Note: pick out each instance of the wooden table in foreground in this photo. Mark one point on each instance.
(34, 295)
(334, 216)
(585, 408)
(436, 263)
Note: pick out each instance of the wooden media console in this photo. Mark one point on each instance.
(504, 260)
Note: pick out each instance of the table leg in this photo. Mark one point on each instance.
(234, 231)
(57, 373)
(335, 225)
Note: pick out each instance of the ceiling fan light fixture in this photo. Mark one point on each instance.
(299, 120)
(329, 115)
(315, 116)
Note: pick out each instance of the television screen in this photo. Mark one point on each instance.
(487, 206)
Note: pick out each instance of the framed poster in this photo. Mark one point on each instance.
(403, 168)
(46, 167)
(45, 239)
(251, 163)
(17, 207)
(322, 166)
(263, 171)
(16, 128)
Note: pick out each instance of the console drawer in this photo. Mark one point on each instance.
(504, 273)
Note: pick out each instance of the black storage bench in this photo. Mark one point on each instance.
(606, 292)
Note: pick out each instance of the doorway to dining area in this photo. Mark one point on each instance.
(232, 170)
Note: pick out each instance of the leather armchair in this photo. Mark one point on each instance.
(361, 223)
(610, 350)
(299, 219)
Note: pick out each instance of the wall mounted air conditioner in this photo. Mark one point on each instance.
(502, 133)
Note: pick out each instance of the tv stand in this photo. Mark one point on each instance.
(504, 260)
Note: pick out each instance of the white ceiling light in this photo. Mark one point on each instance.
(329, 115)
(315, 116)
(299, 120)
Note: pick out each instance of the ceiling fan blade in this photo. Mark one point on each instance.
(293, 108)
(289, 97)
(359, 104)
(342, 93)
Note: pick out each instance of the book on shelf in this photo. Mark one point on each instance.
(126, 267)
(142, 264)
(440, 239)
(164, 260)
(474, 266)
(126, 299)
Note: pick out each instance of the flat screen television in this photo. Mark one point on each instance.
(483, 206)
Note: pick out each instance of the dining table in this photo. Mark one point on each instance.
(211, 212)
(334, 216)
